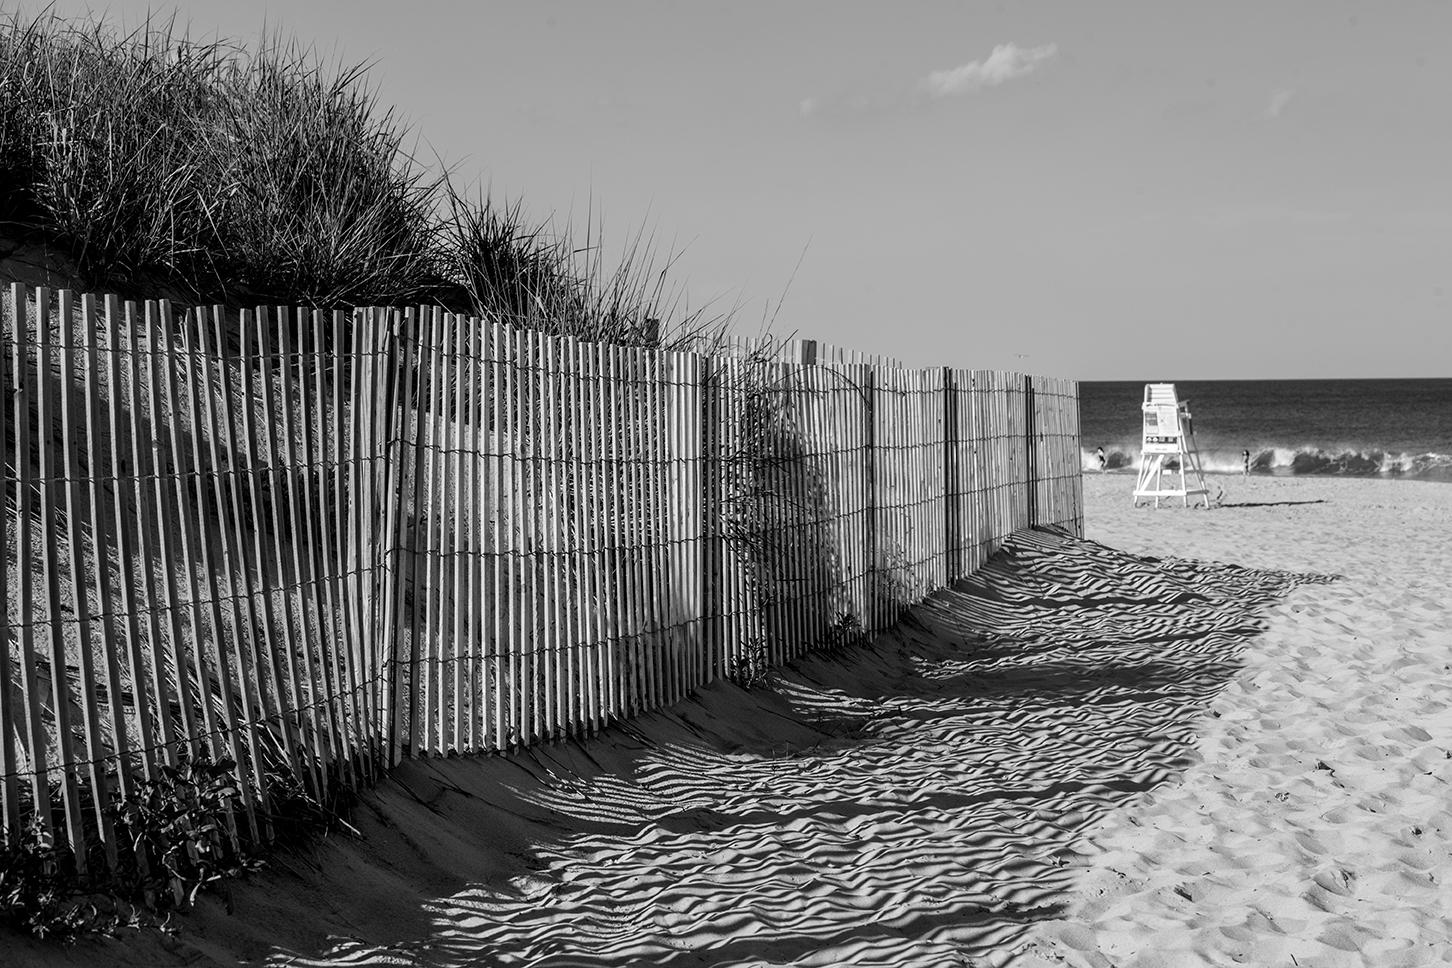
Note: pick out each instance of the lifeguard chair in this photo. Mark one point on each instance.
(1168, 432)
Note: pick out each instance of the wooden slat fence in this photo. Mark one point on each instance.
(313, 543)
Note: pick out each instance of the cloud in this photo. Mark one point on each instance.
(1277, 103)
(1003, 64)
(1006, 62)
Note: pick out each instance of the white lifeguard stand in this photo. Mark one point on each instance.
(1168, 433)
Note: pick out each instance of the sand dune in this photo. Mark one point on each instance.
(1083, 756)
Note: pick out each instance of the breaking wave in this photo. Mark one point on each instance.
(1303, 460)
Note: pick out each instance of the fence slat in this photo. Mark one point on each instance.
(191, 682)
(285, 547)
(222, 525)
(531, 688)
(434, 661)
(131, 587)
(496, 615)
(158, 460)
(592, 425)
(31, 387)
(323, 429)
(511, 534)
(448, 550)
(100, 535)
(344, 441)
(367, 519)
(578, 567)
(705, 562)
(318, 430)
(610, 534)
(202, 526)
(420, 530)
(272, 654)
(292, 466)
(348, 356)
(11, 702)
(631, 523)
(559, 641)
(227, 489)
(469, 508)
(648, 427)
(369, 516)
(78, 514)
(402, 491)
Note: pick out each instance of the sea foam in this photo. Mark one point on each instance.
(1303, 459)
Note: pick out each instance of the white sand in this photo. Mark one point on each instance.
(1316, 826)
(1081, 759)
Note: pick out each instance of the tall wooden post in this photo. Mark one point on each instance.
(952, 511)
(712, 551)
(869, 517)
(1031, 451)
(407, 450)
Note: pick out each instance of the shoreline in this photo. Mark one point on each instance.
(1287, 474)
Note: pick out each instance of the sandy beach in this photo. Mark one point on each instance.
(1314, 826)
(1198, 738)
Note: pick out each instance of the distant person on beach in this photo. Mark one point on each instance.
(1099, 456)
(1245, 460)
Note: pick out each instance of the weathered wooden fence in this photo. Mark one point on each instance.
(314, 542)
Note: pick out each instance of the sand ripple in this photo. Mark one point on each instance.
(919, 802)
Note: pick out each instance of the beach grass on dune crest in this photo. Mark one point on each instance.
(540, 277)
(220, 173)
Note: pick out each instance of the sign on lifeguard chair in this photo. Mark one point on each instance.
(1167, 433)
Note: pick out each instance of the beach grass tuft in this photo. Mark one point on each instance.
(221, 174)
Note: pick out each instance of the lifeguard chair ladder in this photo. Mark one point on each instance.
(1168, 432)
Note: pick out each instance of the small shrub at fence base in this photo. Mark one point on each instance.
(844, 631)
(39, 893)
(176, 840)
(296, 817)
(177, 830)
(750, 668)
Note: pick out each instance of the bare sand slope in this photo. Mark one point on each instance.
(1315, 827)
(926, 801)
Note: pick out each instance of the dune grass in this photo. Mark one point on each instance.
(235, 175)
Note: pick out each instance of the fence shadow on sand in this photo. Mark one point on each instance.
(917, 799)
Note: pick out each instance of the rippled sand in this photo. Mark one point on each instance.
(1084, 756)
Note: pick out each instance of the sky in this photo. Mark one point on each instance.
(1157, 190)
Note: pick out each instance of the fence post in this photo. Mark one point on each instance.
(712, 572)
(869, 517)
(405, 330)
(952, 516)
(1077, 478)
(1030, 451)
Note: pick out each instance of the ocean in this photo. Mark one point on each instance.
(1359, 428)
